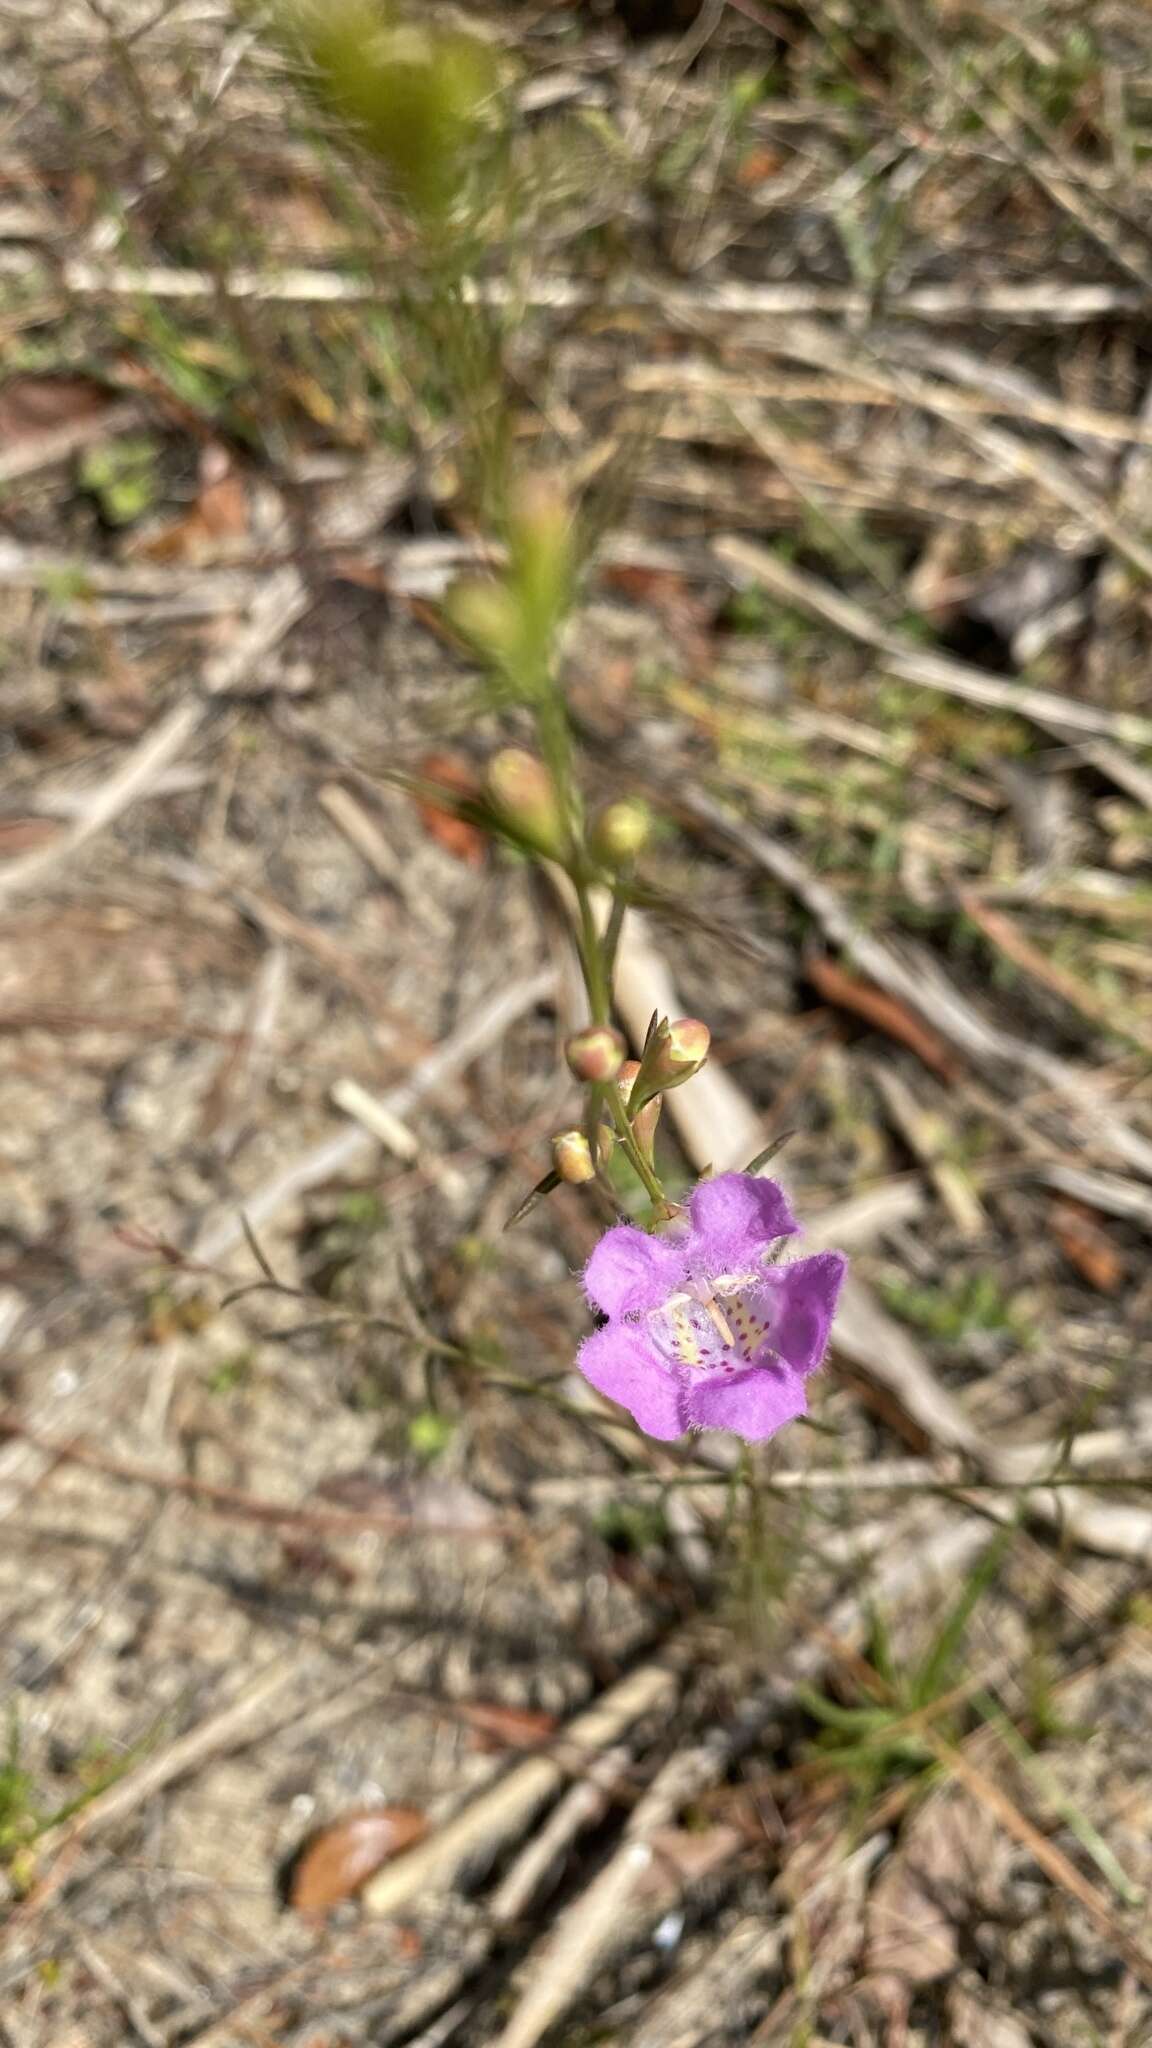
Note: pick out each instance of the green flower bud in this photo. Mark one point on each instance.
(572, 1157)
(619, 832)
(418, 96)
(540, 549)
(525, 796)
(484, 612)
(673, 1054)
(596, 1054)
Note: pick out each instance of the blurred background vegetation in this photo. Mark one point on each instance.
(366, 1678)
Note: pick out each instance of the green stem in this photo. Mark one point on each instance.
(592, 957)
(635, 1156)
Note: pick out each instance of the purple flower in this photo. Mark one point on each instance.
(703, 1330)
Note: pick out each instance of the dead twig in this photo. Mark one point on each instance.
(351, 1150)
(478, 1831)
(245, 1507)
(900, 656)
(912, 978)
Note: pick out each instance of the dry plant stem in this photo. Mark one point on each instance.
(1051, 1859)
(583, 1806)
(353, 1149)
(901, 657)
(1027, 303)
(914, 980)
(477, 1832)
(565, 1961)
(242, 1721)
(246, 1507)
(135, 776)
(276, 606)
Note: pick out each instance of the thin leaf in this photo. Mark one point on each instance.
(1089, 1838)
(769, 1152)
(934, 1673)
(611, 939)
(260, 1256)
(849, 1720)
(542, 1188)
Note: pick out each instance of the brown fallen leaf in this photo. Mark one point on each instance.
(334, 1863)
(497, 1727)
(35, 408)
(864, 1000)
(758, 166)
(22, 835)
(216, 522)
(458, 836)
(951, 1857)
(669, 595)
(686, 1856)
(1087, 1246)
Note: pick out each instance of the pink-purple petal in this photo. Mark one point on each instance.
(734, 1220)
(630, 1272)
(800, 1301)
(618, 1362)
(753, 1404)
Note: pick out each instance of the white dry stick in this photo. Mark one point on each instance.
(279, 601)
(277, 605)
(560, 1967)
(351, 1149)
(915, 979)
(900, 656)
(583, 1934)
(395, 1135)
(135, 776)
(583, 1806)
(715, 1121)
(477, 1832)
(1027, 302)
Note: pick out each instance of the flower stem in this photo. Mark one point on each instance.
(635, 1156)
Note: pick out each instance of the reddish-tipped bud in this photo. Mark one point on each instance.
(620, 831)
(673, 1054)
(647, 1116)
(572, 1157)
(596, 1054)
(525, 796)
(686, 1047)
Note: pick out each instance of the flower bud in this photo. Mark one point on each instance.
(484, 612)
(596, 1054)
(572, 1157)
(647, 1117)
(620, 831)
(417, 95)
(673, 1054)
(541, 552)
(525, 796)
